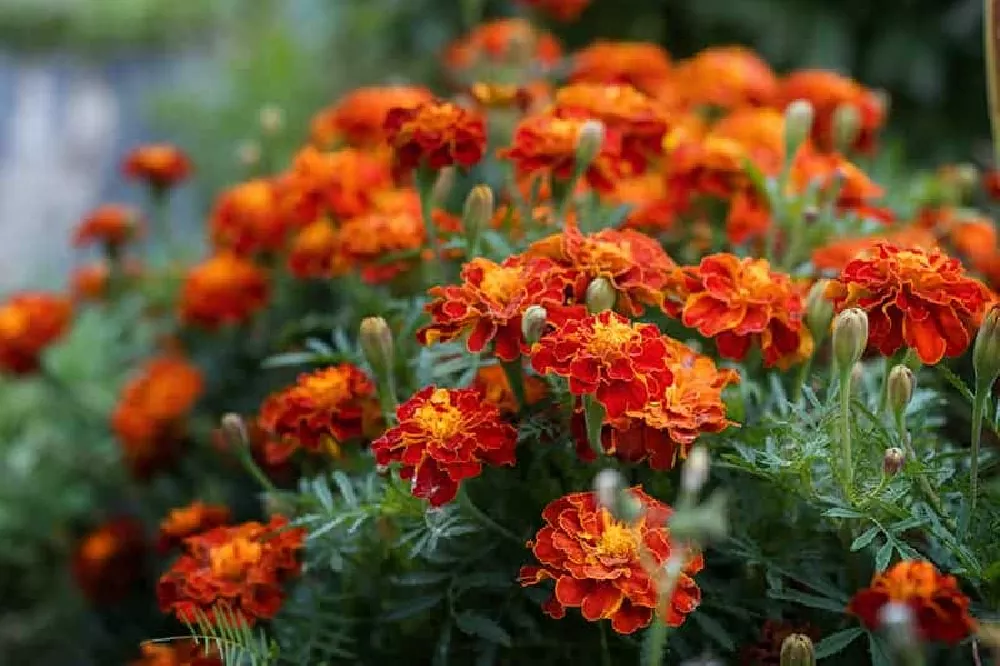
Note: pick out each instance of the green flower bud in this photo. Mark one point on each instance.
(609, 487)
(272, 120)
(846, 126)
(533, 323)
(819, 311)
(601, 295)
(234, 429)
(893, 461)
(588, 143)
(442, 185)
(797, 650)
(986, 351)
(478, 209)
(695, 472)
(376, 343)
(900, 388)
(850, 337)
(798, 124)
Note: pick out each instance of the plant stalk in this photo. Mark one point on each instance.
(515, 377)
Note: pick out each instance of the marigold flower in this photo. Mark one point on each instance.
(443, 437)
(152, 407)
(29, 323)
(834, 256)
(508, 41)
(646, 195)
(340, 184)
(827, 91)
(742, 301)
(726, 77)
(914, 297)
(111, 225)
(991, 183)
(358, 118)
(367, 240)
(160, 165)
(488, 304)
(435, 134)
(323, 410)
(857, 190)
(546, 143)
(644, 65)
(239, 569)
(975, 239)
(189, 520)
(315, 252)
(596, 562)
(224, 289)
(248, 219)
(621, 363)
(108, 562)
(940, 609)
(560, 10)
(178, 653)
(491, 381)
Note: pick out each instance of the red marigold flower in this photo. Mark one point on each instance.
(546, 143)
(149, 419)
(991, 184)
(491, 381)
(248, 219)
(597, 563)
(178, 653)
(741, 301)
(323, 410)
(726, 77)
(224, 289)
(108, 562)
(827, 91)
(189, 520)
(239, 569)
(315, 252)
(359, 117)
(560, 10)
(111, 225)
(340, 184)
(810, 168)
(29, 323)
(508, 41)
(620, 362)
(940, 609)
(90, 282)
(435, 134)
(919, 298)
(443, 437)
(367, 240)
(834, 256)
(160, 165)
(644, 65)
(488, 305)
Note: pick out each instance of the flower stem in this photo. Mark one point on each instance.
(593, 415)
(845, 428)
(978, 408)
(466, 502)
(515, 377)
(425, 188)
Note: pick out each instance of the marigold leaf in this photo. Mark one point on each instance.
(483, 627)
(865, 539)
(714, 630)
(842, 512)
(412, 607)
(835, 643)
(810, 600)
(883, 556)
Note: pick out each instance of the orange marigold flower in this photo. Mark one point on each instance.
(741, 301)
(644, 65)
(856, 190)
(177, 653)
(248, 219)
(367, 240)
(340, 184)
(915, 297)
(940, 609)
(149, 420)
(435, 134)
(224, 289)
(315, 252)
(443, 437)
(239, 568)
(546, 143)
(650, 208)
(491, 381)
(561, 10)
(506, 96)
(322, 411)
(834, 256)
(111, 225)
(513, 41)
(90, 282)
(189, 520)
(597, 563)
(29, 323)
(975, 239)
(161, 165)
(108, 562)
(634, 263)
(359, 117)
(827, 91)
(488, 305)
(620, 362)
(726, 77)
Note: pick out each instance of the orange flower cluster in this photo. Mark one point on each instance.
(492, 382)
(189, 520)
(315, 252)
(727, 77)
(856, 190)
(358, 119)
(643, 65)
(239, 569)
(834, 256)
(340, 184)
(919, 298)
(149, 418)
(111, 225)
(443, 437)
(248, 219)
(177, 653)
(91, 281)
(742, 301)
(435, 134)
(225, 289)
(161, 165)
(322, 411)
(108, 562)
(503, 41)
(561, 10)
(827, 91)
(596, 562)
(29, 323)
(365, 241)
(620, 362)
(488, 305)
(940, 609)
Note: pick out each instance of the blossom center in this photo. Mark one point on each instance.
(438, 417)
(755, 279)
(232, 559)
(13, 322)
(609, 338)
(618, 540)
(330, 387)
(501, 284)
(99, 547)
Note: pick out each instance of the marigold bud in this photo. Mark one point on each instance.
(846, 125)
(376, 342)
(248, 154)
(850, 337)
(695, 472)
(819, 311)
(900, 388)
(893, 461)
(601, 295)
(607, 484)
(234, 429)
(272, 120)
(533, 323)
(478, 209)
(797, 650)
(798, 123)
(443, 184)
(588, 143)
(810, 214)
(986, 351)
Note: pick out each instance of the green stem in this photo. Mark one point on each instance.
(425, 188)
(845, 429)
(802, 378)
(978, 408)
(593, 415)
(515, 377)
(656, 641)
(605, 652)
(243, 453)
(991, 43)
(928, 491)
(387, 397)
(466, 502)
(159, 200)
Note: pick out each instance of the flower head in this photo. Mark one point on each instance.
(107, 562)
(940, 609)
(189, 520)
(340, 184)
(834, 256)
(560, 10)
(239, 569)
(919, 298)
(443, 437)
(111, 225)
(161, 165)
(726, 77)
(644, 65)
(177, 653)
(856, 191)
(29, 323)
(509, 41)
(597, 565)
(315, 252)
(827, 91)
(248, 219)
(435, 134)
(224, 289)
(358, 118)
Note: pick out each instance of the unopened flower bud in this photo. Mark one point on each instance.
(900, 388)
(248, 154)
(899, 625)
(272, 120)
(850, 337)
(810, 214)
(442, 186)
(376, 342)
(893, 461)
(478, 209)
(695, 472)
(601, 295)
(607, 484)
(986, 351)
(797, 650)
(533, 323)
(588, 143)
(846, 125)
(234, 429)
(798, 123)
(819, 311)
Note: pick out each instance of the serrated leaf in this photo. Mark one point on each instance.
(883, 556)
(714, 630)
(418, 578)
(810, 600)
(878, 651)
(842, 512)
(483, 627)
(412, 607)
(345, 487)
(834, 643)
(865, 539)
